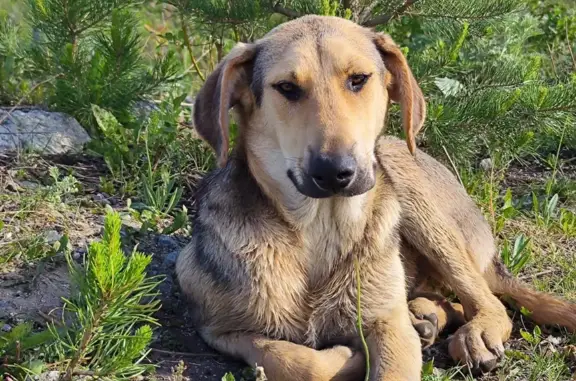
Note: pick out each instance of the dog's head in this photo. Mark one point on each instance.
(311, 98)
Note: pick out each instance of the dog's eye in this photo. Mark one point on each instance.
(289, 90)
(357, 81)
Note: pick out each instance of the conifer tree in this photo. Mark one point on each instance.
(91, 51)
(488, 86)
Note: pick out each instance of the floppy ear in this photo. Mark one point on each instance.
(219, 94)
(403, 88)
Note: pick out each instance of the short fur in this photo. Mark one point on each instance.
(270, 271)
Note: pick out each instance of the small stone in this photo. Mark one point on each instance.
(166, 240)
(486, 164)
(53, 375)
(52, 236)
(29, 184)
(6, 328)
(99, 197)
(170, 260)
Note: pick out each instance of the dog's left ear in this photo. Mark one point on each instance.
(222, 91)
(402, 88)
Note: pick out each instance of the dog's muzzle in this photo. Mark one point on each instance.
(332, 175)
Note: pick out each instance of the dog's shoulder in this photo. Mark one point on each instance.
(230, 221)
(421, 170)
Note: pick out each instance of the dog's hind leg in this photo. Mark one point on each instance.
(287, 361)
(431, 314)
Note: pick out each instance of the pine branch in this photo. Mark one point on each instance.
(86, 337)
(189, 48)
(285, 11)
(384, 19)
(460, 16)
(559, 108)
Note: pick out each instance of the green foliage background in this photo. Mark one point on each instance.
(498, 74)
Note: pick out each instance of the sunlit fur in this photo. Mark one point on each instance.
(269, 271)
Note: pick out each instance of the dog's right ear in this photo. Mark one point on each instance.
(219, 94)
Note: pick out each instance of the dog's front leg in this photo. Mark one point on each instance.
(478, 343)
(394, 347)
(286, 361)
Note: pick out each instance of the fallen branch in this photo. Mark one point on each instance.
(285, 11)
(524, 277)
(189, 48)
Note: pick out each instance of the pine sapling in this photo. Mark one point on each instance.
(110, 312)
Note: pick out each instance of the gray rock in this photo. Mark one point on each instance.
(99, 197)
(51, 236)
(143, 109)
(42, 131)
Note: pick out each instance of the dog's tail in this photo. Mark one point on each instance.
(544, 308)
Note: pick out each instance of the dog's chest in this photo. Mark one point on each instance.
(331, 236)
(308, 294)
(328, 247)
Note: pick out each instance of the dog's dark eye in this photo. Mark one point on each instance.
(289, 90)
(357, 81)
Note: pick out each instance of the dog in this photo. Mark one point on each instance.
(312, 189)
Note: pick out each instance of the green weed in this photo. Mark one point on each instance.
(516, 257)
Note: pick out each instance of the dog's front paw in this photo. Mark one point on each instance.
(480, 343)
(340, 363)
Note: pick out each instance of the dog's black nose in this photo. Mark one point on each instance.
(332, 172)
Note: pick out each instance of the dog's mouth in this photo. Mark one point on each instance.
(313, 187)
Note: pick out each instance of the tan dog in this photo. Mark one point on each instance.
(309, 189)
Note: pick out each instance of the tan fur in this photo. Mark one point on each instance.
(270, 271)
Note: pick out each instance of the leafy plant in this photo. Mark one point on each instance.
(567, 222)
(32, 249)
(507, 211)
(60, 189)
(15, 347)
(533, 338)
(545, 211)
(515, 258)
